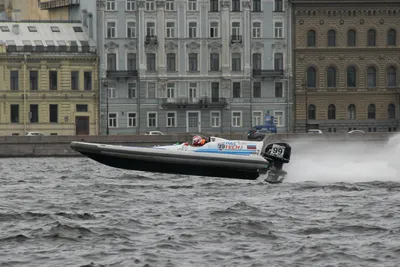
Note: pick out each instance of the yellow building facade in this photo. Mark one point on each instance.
(48, 85)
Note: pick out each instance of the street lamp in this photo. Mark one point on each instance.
(105, 87)
(306, 102)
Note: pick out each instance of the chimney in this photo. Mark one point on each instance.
(15, 28)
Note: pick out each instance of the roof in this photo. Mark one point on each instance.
(312, 2)
(36, 36)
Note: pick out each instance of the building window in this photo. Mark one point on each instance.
(192, 30)
(111, 92)
(213, 5)
(257, 116)
(391, 112)
(131, 61)
(391, 37)
(311, 38)
(351, 112)
(170, 90)
(111, 29)
(192, 5)
(235, 5)
(331, 38)
(130, 5)
(236, 93)
(150, 29)
(34, 113)
(152, 119)
(391, 77)
(371, 72)
(14, 78)
(278, 89)
(256, 89)
(111, 5)
(371, 111)
(87, 80)
(214, 62)
(331, 112)
(236, 119)
(256, 29)
(278, 29)
(215, 119)
(53, 110)
(236, 31)
(193, 62)
(171, 119)
(351, 77)
(311, 77)
(112, 120)
(150, 5)
(74, 80)
(131, 119)
(256, 5)
(351, 38)
(192, 90)
(214, 30)
(33, 79)
(371, 37)
(312, 112)
(111, 61)
(170, 29)
(214, 92)
(151, 62)
(236, 62)
(81, 108)
(171, 62)
(279, 118)
(331, 75)
(278, 6)
(278, 61)
(131, 29)
(169, 5)
(256, 61)
(14, 114)
(131, 90)
(53, 80)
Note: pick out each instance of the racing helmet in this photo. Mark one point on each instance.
(197, 140)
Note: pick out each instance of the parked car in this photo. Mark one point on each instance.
(314, 131)
(257, 134)
(357, 132)
(154, 133)
(35, 134)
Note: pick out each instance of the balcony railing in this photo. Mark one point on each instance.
(122, 73)
(58, 3)
(236, 38)
(151, 39)
(258, 73)
(199, 102)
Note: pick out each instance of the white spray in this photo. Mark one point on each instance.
(344, 162)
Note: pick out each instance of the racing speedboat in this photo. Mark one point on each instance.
(218, 157)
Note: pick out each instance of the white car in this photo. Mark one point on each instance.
(35, 134)
(314, 131)
(356, 132)
(154, 133)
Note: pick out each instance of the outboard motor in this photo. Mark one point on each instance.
(277, 154)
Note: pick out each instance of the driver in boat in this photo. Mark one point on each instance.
(198, 141)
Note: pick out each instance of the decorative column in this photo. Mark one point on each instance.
(141, 39)
(225, 36)
(103, 120)
(161, 56)
(246, 37)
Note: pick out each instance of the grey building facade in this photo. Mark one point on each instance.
(189, 66)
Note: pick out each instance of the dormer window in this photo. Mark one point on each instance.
(32, 29)
(4, 28)
(55, 29)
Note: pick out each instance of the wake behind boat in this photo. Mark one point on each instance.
(212, 156)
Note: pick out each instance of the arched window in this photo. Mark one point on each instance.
(371, 72)
(351, 77)
(311, 38)
(311, 77)
(331, 77)
(391, 37)
(391, 112)
(391, 77)
(331, 112)
(312, 112)
(371, 111)
(371, 37)
(351, 112)
(331, 38)
(351, 38)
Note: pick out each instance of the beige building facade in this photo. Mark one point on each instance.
(346, 65)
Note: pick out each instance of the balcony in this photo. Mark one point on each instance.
(257, 73)
(122, 74)
(58, 3)
(151, 39)
(236, 39)
(199, 102)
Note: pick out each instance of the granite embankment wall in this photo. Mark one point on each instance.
(59, 146)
